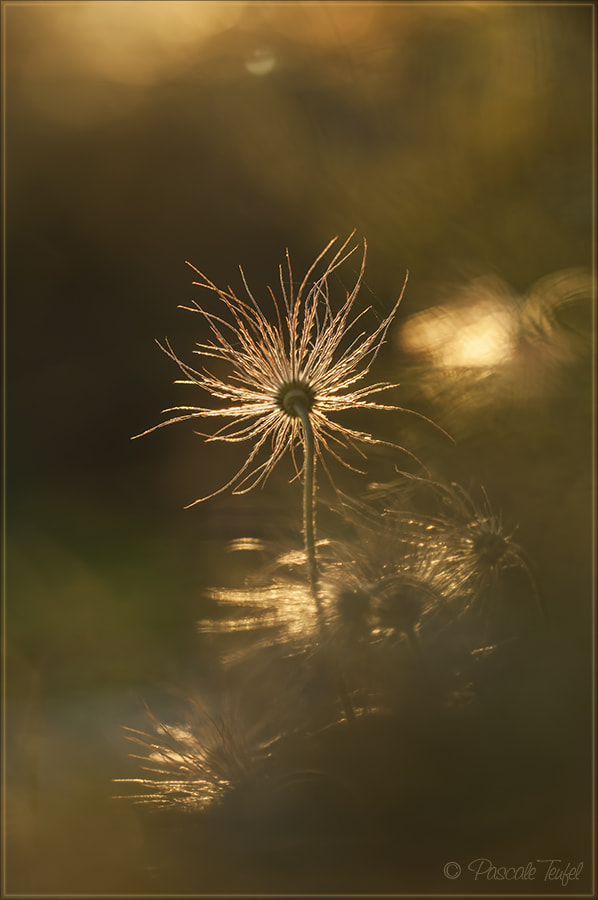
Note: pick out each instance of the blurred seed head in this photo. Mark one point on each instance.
(250, 742)
(190, 765)
(459, 547)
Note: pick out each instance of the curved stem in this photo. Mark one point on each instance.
(309, 490)
(309, 536)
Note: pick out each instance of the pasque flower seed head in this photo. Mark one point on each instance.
(308, 359)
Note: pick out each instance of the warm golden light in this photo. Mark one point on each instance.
(97, 60)
(486, 345)
(278, 610)
(480, 335)
(261, 62)
(136, 43)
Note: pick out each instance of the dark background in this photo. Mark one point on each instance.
(457, 138)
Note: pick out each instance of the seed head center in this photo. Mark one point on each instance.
(490, 547)
(293, 394)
